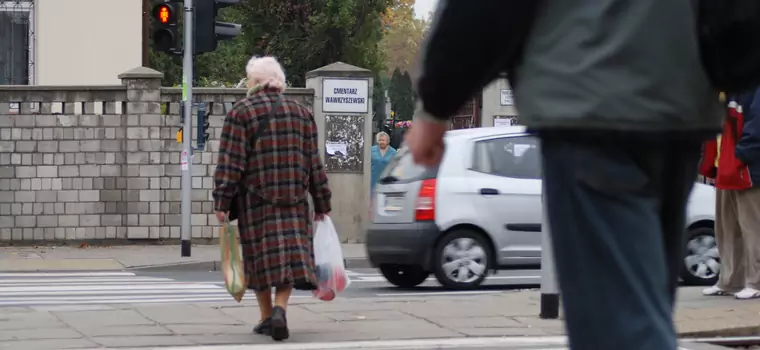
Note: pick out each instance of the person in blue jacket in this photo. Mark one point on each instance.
(382, 153)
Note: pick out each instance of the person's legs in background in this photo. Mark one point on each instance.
(731, 247)
(605, 205)
(748, 214)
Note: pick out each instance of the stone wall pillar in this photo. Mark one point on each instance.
(143, 172)
(498, 104)
(343, 112)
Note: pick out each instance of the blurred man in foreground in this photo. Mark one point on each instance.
(616, 92)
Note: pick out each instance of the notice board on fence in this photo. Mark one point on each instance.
(344, 143)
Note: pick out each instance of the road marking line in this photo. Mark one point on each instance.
(147, 287)
(553, 343)
(109, 292)
(379, 278)
(445, 343)
(465, 292)
(22, 281)
(66, 274)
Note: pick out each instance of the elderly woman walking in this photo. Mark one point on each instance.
(382, 153)
(268, 165)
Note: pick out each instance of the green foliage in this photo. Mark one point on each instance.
(401, 95)
(302, 34)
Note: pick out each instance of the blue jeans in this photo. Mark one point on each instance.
(617, 207)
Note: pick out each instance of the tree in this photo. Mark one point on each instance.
(223, 67)
(403, 35)
(378, 99)
(302, 34)
(395, 91)
(406, 108)
(308, 34)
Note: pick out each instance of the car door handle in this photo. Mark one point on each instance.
(524, 227)
(489, 191)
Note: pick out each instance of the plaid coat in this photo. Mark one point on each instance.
(272, 178)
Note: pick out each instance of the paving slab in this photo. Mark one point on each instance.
(49, 344)
(102, 318)
(38, 334)
(137, 341)
(137, 330)
(355, 319)
(184, 314)
(29, 320)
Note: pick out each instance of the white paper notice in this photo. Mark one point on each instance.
(502, 122)
(336, 148)
(183, 161)
(519, 149)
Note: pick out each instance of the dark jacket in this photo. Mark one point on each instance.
(739, 159)
(595, 64)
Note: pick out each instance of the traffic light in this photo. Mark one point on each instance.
(207, 31)
(202, 134)
(180, 133)
(165, 16)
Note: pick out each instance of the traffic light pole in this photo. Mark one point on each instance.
(187, 148)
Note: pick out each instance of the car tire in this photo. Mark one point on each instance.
(473, 254)
(404, 276)
(699, 265)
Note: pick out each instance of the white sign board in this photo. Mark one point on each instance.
(506, 97)
(504, 120)
(345, 95)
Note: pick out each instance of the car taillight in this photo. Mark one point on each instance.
(425, 207)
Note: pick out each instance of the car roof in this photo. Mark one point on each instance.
(484, 132)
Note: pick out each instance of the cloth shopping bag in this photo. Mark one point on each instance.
(232, 260)
(328, 258)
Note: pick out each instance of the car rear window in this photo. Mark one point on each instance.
(403, 169)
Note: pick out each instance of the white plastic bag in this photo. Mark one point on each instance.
(328, 258)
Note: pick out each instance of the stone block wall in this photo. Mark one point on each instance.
(102, 162)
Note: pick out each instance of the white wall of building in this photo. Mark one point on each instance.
(493, 106)
(86, 42)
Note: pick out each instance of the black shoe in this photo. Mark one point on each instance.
(279, 324)
(265, 327)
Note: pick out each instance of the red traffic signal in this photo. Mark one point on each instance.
(164, 14)
(165, 26)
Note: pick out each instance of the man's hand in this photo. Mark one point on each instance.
(425, 141)
(221, 216)
(320, 217)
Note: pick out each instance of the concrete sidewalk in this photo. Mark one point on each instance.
(102, 258)
(355, 319)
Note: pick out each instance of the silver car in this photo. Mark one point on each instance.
(450, 221)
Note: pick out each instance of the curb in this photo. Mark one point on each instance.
(745, 331)
(205, 266)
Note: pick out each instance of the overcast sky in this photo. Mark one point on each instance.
(423, 7)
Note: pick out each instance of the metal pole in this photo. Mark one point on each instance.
(549, 288)
(187, 149)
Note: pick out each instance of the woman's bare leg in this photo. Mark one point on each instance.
(264, 298)
(282, 295)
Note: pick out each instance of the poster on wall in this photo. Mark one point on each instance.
(345, 95)
(505, 120)
(344, 143)
(506, 97)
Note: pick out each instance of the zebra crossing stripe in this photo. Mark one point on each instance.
(50, 289)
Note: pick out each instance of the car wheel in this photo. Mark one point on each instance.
(701, 262)
(461, 260)
(404, 276)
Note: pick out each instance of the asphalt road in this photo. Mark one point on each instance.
(370, 283)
